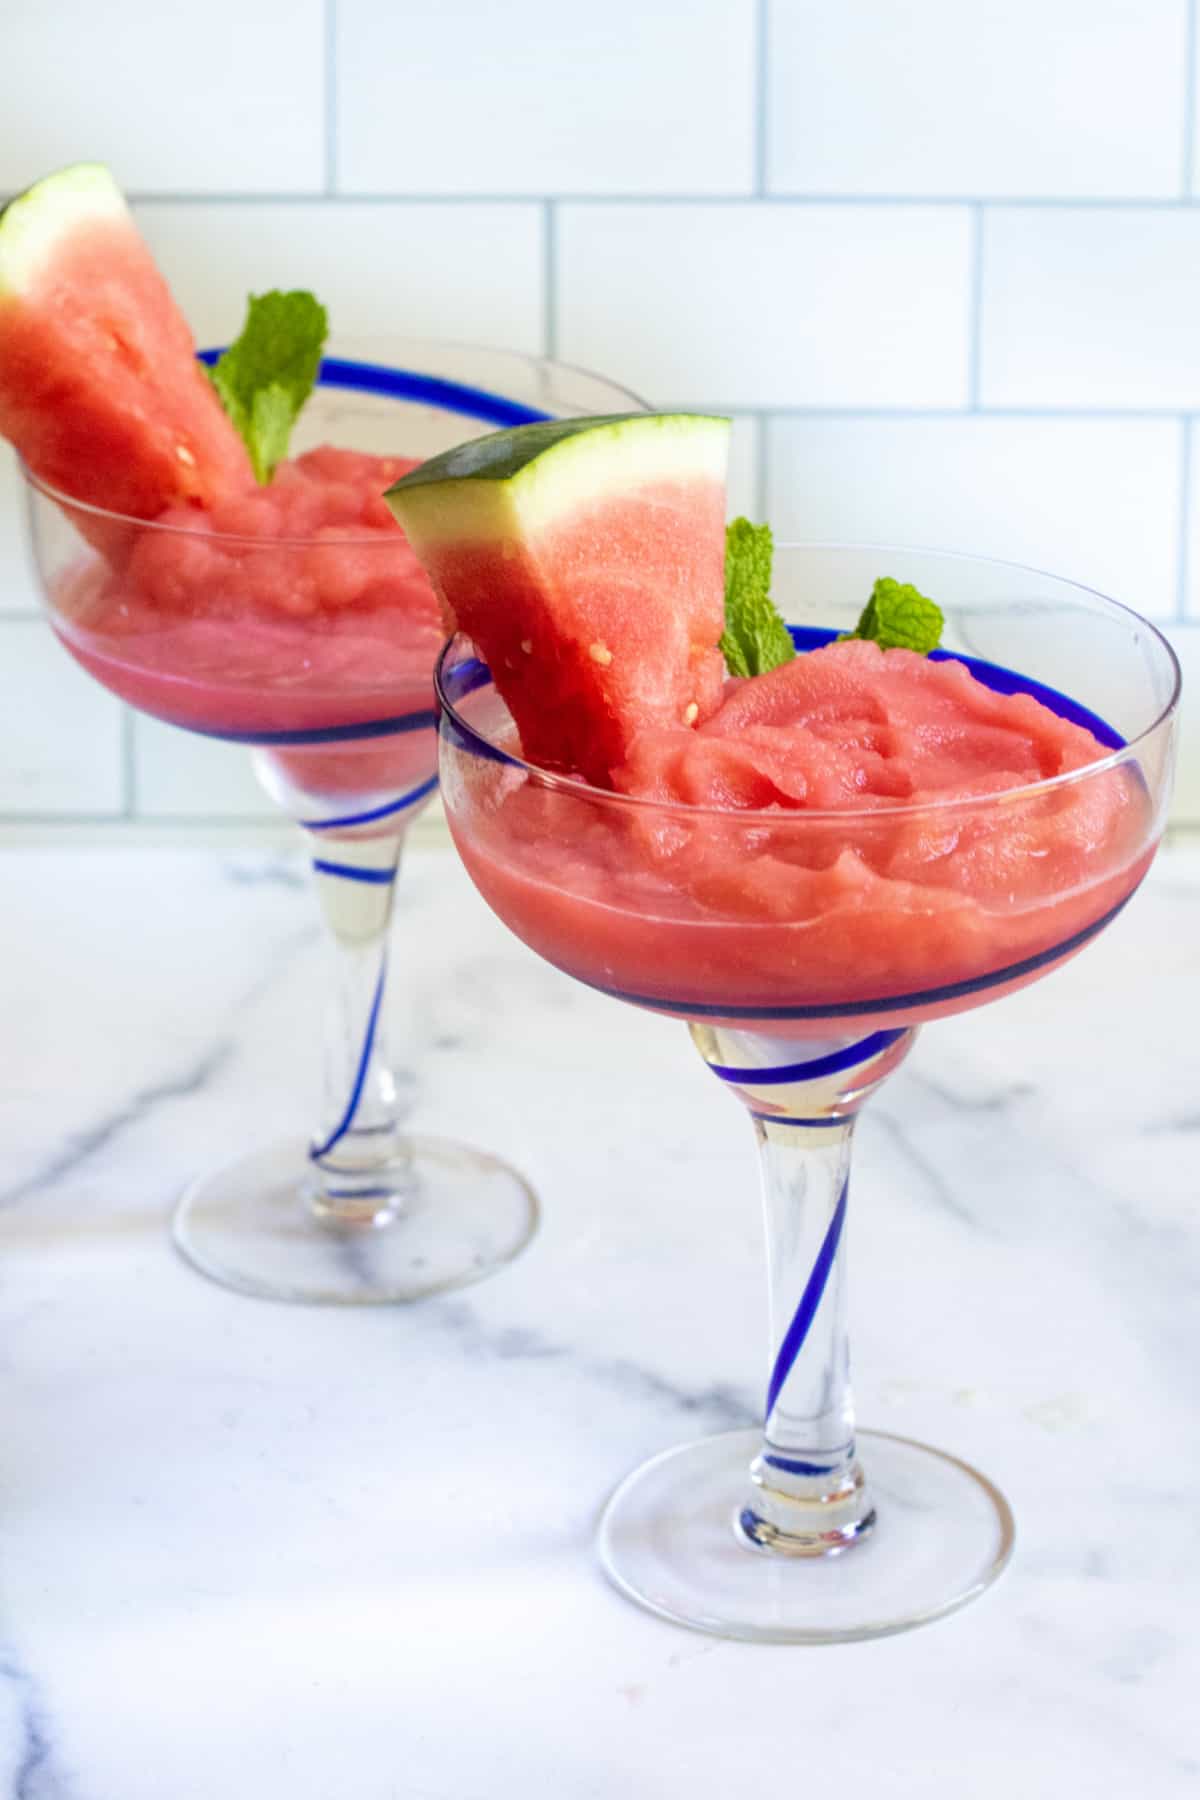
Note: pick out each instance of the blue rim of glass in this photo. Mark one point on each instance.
(451, 685)
(411, 384)
(946, 994)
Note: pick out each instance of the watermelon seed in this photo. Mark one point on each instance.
(527, 646)
(691, 714)
(600, 653)
(185, 455)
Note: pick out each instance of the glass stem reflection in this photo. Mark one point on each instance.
(810, 1491)
(357, 1155)
(806, 1494)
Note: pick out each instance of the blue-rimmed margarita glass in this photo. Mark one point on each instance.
(802, 1007)
(363, 1212)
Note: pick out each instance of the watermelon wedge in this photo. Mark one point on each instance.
(585, 557)
(100, 391)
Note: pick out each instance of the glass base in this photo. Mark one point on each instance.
(669, 1539)
(251, 1226)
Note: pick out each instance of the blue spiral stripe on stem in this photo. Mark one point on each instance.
(848, 1057)
(377, 812)
(790, 1119)
(792, 1465)
(810, 1300)
(359, 1193)
(342, 1127)
(348, 872)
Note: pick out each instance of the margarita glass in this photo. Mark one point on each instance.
(803, 987)
(317, 650)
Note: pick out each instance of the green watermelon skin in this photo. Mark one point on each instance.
(590, 575)
(100, 391)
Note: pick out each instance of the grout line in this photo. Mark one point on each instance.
(1185, 519)
(331, 118)
(303, 197)
(761, 65)
(774, 410)
(318, 196)
(128, 764)
(11, 820)
(975, 303)
(1136, 415)
(1189, 99)
(762, 444)
(181, 822)
(550, 277)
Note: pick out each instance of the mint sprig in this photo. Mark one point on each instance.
(899, 617)
(755, 638)
(896, 617)
(269, 371)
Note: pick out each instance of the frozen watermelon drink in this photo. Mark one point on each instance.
(805, 807)
(213, 548)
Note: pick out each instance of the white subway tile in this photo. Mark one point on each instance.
(638, 96)
(1186, 808)
(1096, 307)
(1096, 500)
(769, 305)
(742, 488)
(1060, 98)
(1192, 597)
(180, 775)
(60, 733)
(176, 99)
(18, 590)
(380, 270)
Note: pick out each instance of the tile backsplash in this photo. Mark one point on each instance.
(941, 262)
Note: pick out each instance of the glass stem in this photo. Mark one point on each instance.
(360, 1168)
(806, 1494)
(809, 1483)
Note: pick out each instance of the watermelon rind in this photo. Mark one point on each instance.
(35, 222)
(585, 558)
(537, 473)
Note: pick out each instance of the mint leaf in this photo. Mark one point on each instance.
(755, 638)
(272, 415)
(898, 617)
(267, 374)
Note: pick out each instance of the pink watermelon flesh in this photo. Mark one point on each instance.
(602, 627)
(855, 727)
(791, 904)
(293, 607)
(315, 541)
(100, 391)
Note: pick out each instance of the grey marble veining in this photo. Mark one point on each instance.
(79, 1145)
(250, 1551)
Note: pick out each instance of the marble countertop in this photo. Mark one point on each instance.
(249, 1550)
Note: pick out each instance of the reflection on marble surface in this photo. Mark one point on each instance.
(257, 1551)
